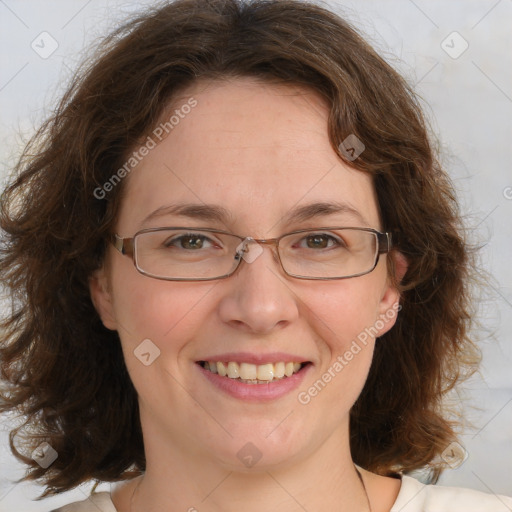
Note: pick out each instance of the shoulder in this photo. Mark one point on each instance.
(413, 497)
(97, 502)
(417, 497)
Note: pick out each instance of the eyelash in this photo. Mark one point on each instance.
(171, 241)
(179, 238)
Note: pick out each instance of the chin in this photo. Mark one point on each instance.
(252, 452)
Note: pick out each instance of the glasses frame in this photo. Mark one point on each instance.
(126, 246)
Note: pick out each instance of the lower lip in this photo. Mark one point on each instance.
(256, 392)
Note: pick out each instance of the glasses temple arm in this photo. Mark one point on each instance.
(385, 242)
(123, 245)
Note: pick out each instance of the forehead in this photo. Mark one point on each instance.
(257, 149)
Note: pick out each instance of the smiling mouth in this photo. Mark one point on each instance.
(253, 373)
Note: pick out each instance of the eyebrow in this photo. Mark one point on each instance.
(320, 209)
(217, 213)
(207, 212)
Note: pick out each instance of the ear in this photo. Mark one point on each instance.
(389, 305)
(101, 297)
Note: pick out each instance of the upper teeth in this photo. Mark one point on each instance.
(253, 372)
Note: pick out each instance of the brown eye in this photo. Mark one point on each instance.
(320, 241)
(190, 242)
(317, 242)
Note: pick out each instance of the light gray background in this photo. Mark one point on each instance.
(469, 103)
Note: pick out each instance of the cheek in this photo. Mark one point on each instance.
(344, 317)
(165, 312)
(343, 309)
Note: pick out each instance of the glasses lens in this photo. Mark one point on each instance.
(185, 254)
(198, 254)
(329, 253)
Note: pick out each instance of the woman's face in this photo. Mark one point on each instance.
(258, 152)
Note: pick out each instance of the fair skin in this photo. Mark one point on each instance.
(259, 151)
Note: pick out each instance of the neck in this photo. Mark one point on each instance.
(179, 480)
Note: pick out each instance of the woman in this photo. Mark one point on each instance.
(238, 274)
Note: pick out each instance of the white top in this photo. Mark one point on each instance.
(413, 497)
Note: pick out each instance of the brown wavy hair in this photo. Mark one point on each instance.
(64, 372)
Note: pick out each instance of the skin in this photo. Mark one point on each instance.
(258, 150)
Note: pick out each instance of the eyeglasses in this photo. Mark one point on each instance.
(201, 254)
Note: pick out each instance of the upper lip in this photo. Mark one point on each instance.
(247, 357)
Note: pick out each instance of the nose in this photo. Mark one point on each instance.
(258, 297)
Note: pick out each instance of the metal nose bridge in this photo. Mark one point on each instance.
(273, 242)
